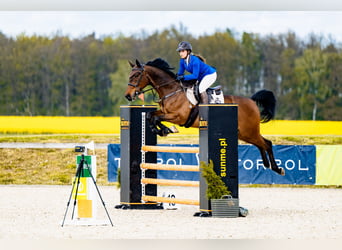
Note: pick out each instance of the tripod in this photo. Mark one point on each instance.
(78, 176)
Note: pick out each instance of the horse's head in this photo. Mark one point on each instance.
(137, 81)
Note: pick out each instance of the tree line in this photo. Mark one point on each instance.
(87, 76)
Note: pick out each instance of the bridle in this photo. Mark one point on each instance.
(142, 69)
(140, 77)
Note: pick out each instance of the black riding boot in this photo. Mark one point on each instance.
(204, 98)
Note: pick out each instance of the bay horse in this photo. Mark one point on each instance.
(176, 108)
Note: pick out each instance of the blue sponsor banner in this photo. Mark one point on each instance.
(113, 161)
(299, 163)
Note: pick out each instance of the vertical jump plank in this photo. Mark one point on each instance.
(130, 153)
(219, 143)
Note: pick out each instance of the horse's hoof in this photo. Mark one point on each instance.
(279, 170)
(155, 131)
(282, 172)
(173, 129)
(162, 132)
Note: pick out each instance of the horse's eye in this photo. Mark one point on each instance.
(134, 76)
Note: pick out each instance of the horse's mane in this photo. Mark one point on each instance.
(163, 65)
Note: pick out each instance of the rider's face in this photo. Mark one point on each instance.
(183, 53)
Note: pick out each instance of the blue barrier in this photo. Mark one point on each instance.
(298, 161)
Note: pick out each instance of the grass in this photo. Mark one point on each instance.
(58, 166)
(45, 166)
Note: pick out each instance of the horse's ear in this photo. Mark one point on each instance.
(130, 63)
(138, 63)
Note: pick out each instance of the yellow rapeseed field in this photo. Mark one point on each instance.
(111, 125)
(59, 125)
(284, 127)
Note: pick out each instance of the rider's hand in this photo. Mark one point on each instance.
(180, 78)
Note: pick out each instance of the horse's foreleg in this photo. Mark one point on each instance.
(155, 124)
(163, 131)
(155, 119)
(169, 117)
(150, 116)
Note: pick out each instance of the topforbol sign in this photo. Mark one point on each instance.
(298, 161)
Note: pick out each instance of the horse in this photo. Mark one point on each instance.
(174, 106)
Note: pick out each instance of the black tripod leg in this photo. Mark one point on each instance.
(66, 211)
(75, 199)
(98, 191)
(78, 171)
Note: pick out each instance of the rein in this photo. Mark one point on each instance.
(168, 95)
(155, 87)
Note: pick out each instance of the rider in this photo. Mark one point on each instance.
(204, 73)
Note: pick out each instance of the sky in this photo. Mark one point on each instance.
(80, 23)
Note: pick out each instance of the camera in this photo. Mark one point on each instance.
(80, 149)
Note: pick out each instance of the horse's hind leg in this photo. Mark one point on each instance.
(266, 145)
(264, 156)
(274, 165)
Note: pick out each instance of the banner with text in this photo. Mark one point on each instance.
(299, 163)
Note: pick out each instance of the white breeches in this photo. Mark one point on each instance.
(207, 81)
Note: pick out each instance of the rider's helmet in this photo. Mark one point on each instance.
(184, 46)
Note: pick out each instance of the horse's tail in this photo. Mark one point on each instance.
(266, 100)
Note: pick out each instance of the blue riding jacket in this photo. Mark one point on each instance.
(196, 67)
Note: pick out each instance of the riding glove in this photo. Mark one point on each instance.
(180, 78)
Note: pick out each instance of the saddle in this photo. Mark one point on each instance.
(215, 96)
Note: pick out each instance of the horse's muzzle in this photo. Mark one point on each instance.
(129, 97)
